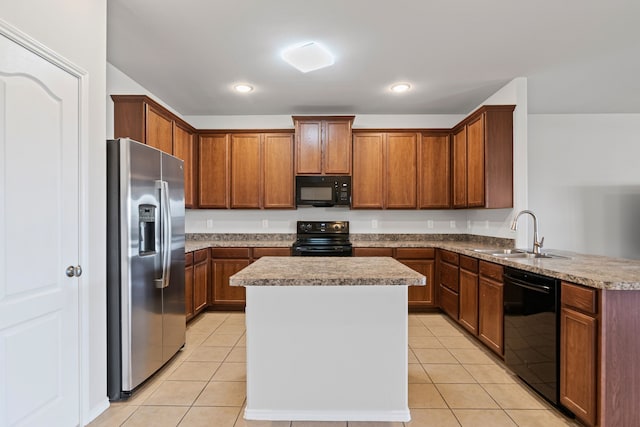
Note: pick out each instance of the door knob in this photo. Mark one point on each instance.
(73, 271)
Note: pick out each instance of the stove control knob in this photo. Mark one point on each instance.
(338, 227)
(306, 227)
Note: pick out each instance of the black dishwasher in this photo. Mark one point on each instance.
(531, 330)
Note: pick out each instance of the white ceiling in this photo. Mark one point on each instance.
(579, 56)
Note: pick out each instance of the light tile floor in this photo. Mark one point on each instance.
(453, 381)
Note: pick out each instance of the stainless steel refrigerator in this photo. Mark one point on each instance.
(146, 319)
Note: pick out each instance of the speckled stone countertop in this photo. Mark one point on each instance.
(327, 271)
(589, 270)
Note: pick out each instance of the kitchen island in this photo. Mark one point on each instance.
(327, 338)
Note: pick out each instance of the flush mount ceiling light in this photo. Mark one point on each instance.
(243, 88)
(400, 87)
(308, 56)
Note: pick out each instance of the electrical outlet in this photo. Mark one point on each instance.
(486, 224)
(209, 223)
(374, 223)
(468, 224)
(452, 224)
(265, 223)
(430, 223)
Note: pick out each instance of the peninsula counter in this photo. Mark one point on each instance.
(327, 338)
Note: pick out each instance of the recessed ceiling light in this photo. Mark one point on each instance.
(400, 87)
(308, 56)
(243, 88)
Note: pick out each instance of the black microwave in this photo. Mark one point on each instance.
(323, 191)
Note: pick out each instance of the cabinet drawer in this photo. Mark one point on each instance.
(469, 264)
(260, 252)
(188, 259)
(449, 276)
(449, 301)
(230, 252)
(415, 253)
(201, 255)
(450, 257)
(372, 252)
(580, 297)
(492, 271)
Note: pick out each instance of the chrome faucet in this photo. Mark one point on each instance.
(536, 244)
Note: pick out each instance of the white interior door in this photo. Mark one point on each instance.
(39, 238)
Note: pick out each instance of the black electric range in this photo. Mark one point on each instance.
(322, 238)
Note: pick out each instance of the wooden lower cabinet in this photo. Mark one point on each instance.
(491, 307)
(225, 262)
(419, 259)
(200, 280)
(423, 261)
(196, 282)
(579, 351)
(448, 282)
(468, 294)
(188, 285)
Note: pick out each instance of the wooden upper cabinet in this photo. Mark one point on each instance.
(323, 145)
(337, 146)
(261, 171)
(144, 120)
(434, 171)
(214, 166)
(368, 171)
(246, 171)
(277, 172)
(384, 170)
(483, 159)
(459, 160)
(475, 163)
(159, 130)
(184, 148)
(400, 170)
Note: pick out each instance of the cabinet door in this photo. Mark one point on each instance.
(368, 171)
(184, 148)
(159, 133)
(434, 172)
(224, 295)
(245, 171)
(213, 171)
(277, 181)
(400, 170)
(337, 147)
(578, 350)
(188, 292)
(460, 168)
(475, 163)
(490, 306)
(200, 285)
(308, 147)
(421, 296)
(468, 316)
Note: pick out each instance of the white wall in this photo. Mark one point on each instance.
(585, 182)
(77, 31)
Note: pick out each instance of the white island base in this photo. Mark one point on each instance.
(327, 353)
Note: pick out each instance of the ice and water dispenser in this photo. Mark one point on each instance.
(147, 228)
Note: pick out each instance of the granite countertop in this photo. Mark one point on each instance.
(588, 270)
(327, 271)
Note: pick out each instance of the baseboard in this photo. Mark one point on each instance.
(294, 415)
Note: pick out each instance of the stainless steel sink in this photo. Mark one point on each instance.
(500, 251)
(510, 253)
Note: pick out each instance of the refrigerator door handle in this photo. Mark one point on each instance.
(165, 213)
